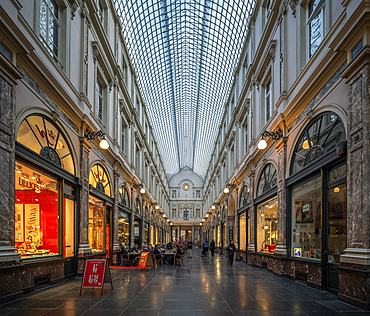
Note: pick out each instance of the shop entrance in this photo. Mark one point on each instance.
(137, 233)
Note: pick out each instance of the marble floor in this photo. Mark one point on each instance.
(202, 286)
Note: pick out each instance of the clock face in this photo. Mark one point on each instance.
(185, 187)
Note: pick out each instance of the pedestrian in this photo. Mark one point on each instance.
(205, 247)
(231, 250)
(190, 249)
(212, 246)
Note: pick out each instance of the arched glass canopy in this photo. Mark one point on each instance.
(184, 53)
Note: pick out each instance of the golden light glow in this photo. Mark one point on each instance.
(262, 144)
(157, 207)
(226, 190)
(142, 190)
(201, 224)
(336, 190)
(203, 220)
(265, 227)
(207, 215)
(164, 215)
(213, 207)
(104, 144)
(305, 144)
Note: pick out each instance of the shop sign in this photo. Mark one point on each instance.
(231, 235)
(96, 273)
(35, 186)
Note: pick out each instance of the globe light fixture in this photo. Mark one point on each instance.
(213, 207)
(103, 143)
(262, 144)
(89, 135)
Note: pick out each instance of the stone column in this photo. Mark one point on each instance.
(192, 233)
(281, 147)
(252, 219)
(142, 230)
(84, 249)
(8, 76)
(179, 234)
(132, 219)
(236, 220)
(354, 269)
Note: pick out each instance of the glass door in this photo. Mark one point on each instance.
(336, 226)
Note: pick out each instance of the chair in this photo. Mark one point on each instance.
(125, 260)
(179, 259)
(158, 259)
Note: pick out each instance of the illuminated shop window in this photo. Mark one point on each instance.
(36, 213)
(123, 229)
(123, 197)
(96, 224)
(40, 135)
(98, 178)
(267, 226)
(268, 179)
(244, 197)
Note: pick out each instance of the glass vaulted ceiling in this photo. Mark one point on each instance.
(184, 53)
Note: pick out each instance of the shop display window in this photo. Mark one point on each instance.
(306, 220)
(337, 222)
(218, 235)
(224, 233)
(43, 137)
(36, 213)
(123, 228)
(69, 227)
(243, 231)
(267, 226)
(96, 224)
(152, 234)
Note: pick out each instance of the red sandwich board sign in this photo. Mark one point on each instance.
(143, 259)
(96, 273)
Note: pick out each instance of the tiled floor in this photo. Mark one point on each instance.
(203, 286)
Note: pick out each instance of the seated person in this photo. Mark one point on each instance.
(178, 250)
(123, 251)
(156, 250)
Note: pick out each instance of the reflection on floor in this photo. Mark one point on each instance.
(202, 286)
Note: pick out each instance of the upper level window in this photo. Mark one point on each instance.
(268, 9)
(174, 194)
(123, 197)
(49, 26)
(315, 23)
(123, 136)
(246, 137)
(99, 100)
(268, 88)
(138, 207)
(98, 178)
(244, 197)
(101, 12)
(197, 194)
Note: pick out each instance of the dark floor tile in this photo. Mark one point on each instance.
(65, 312)
(112, 304)
(214, 313)
(179, 305)
(100, 312)
(264, 296)
(139, 313)
(49, 303)
(178, 313)
(29, 312)
(21, 303)
(211, 305)
(152, 296)
(310, 306)
(6, 310)
(340, 306)
(277, 306)
(251, 313)
(245, 305)
(289, 313)
(180, 296)
(139, 304)
(80, 303)
(207, 296)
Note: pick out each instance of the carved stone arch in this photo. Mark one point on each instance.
(53, 119)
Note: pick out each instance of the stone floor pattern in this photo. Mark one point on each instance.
(202, 286)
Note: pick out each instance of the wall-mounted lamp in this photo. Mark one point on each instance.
(203, 220)
(213, 207)
(171, 224)
(262, 144)
(200, 224)
(140, 187)
(164, 215)
(229, 186)
(89, 135)
(207, 215)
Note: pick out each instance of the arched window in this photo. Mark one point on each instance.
(318, 139)
(138, 207)
(98, 178)
(39, 134)
(244, 197)
(268, 179)
(123, 197)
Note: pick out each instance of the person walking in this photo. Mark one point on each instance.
(205, 247)
(190, 249)
(212, 246)
(231, 250)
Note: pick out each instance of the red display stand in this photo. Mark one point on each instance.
(96, 273)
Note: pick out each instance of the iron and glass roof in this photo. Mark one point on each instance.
(184, 53)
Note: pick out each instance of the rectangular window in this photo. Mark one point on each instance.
(306, 220)
(268, 99)
(101, 12)
(267, 226)
(315, 24)
(197, 194)
(123, 229)
(123, 138)
(357, 49)
(5, 51)
(246, 137)
(49, 26)
(36, 213)
(124, 69)
(69, 228)
(99, 100)
(174, 194)
(96, 224)
(243, 231)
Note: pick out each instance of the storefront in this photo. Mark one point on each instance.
(100, 210)
(137, 223)
(124, 217)
(317, 193)
(45, 196)
(266, 210)
(146, 233)
(244, 220)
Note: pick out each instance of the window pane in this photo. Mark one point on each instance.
(243, 231)
(36, 213)
(267, 226)
(69, 221)
(306, 220)
(96, 224)
(337, 222)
